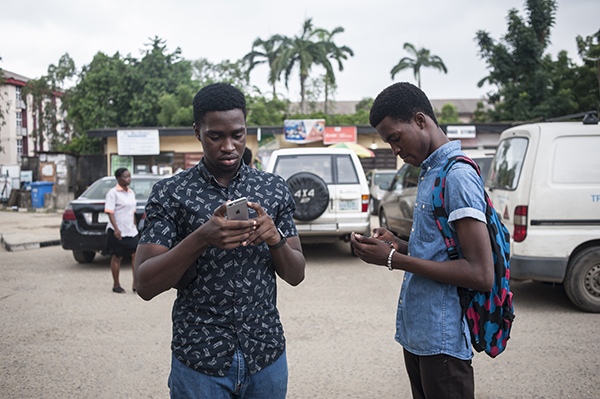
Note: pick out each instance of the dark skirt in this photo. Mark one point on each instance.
(124, 247)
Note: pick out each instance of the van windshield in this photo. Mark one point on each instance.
(506, 167)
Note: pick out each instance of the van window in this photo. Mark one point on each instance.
(508, 162)
(576, 160)
(320, 165)
(346, 174)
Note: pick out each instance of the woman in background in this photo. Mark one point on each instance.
(122, 234)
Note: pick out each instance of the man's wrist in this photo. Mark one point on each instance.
(281, 243)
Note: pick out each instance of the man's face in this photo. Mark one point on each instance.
(223, 138)
(409, 141)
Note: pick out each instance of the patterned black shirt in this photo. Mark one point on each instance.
(232, 300)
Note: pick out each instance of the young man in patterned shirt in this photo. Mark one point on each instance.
(429, 324)
(227, 337)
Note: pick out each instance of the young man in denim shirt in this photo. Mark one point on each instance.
(227, 336)
(436, 340)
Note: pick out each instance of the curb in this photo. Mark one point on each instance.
(27, 245)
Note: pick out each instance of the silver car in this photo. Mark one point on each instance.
(375, 177)
(396, 206)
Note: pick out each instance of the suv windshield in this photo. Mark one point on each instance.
(321, 165)
(506, 167)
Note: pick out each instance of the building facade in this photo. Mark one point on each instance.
(20, 121)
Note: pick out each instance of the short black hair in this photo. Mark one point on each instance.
(217, 97)
(119, 172)
(400, 101)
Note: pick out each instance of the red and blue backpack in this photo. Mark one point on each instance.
(489, 314)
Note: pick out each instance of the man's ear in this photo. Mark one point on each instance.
(420, 119)
(197, 132)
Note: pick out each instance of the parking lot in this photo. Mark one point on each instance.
(65, 334)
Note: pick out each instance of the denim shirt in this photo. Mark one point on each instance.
(429, 314)
(232, 302)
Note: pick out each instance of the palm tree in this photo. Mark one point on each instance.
(304, 52)
(272, 49)
(334, 53)
(422, 59)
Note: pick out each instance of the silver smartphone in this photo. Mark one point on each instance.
(237, 209)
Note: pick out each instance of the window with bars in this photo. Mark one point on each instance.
(18, 93)
(19, 119)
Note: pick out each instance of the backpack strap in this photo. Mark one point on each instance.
(439, 206)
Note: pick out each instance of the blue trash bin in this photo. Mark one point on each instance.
(38, 189)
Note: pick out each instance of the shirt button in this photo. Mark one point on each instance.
(400, 300)
(429, 167)
(423, 206)
(416, 204)
(422, 178)
(413, 229)
(404, 278)
(408, 254)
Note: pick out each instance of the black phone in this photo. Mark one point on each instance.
(237, 209)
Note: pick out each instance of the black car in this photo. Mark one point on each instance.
(83, 227)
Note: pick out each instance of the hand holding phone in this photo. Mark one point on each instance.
(237, 209)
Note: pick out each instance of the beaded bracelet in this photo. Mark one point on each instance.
(389, 261)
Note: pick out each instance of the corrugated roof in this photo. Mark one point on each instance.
(11, 75)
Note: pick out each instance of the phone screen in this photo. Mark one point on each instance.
(237, 209)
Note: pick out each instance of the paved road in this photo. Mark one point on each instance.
(65, 334)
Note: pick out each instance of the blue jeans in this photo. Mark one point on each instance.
(269, 383)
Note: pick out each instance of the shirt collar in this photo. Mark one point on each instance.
(241, 174)
(119, 188)
(440, 154)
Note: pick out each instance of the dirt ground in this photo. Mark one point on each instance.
(64, 334)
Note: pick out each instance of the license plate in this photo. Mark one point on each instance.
(102, 217)
(348, 205)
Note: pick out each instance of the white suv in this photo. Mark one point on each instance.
(330, 190)
(545, 184)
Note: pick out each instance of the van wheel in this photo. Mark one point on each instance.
(582, 282)
(383, 220)
(310, 194)
(84, 256)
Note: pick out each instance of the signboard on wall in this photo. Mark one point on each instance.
(138, 142)
(339, 134)
(461, 132)
(303, 130)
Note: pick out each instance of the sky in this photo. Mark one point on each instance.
(36, 33)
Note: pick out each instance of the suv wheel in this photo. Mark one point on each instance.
(84, 256)
(582, 282)
(310, 194)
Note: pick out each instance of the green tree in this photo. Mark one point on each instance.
(449, 114)
(205, 73)
(304, 52)
(265, 112)
(103, 94)
(589, 51)
(176, 109)
(422, 58)
(44, 93)
(270, 53)
(517, 65)
(335, 53)
(157, 73)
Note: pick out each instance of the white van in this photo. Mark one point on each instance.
(544, 182)
(330, 190)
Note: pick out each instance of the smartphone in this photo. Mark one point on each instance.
(237, 209)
